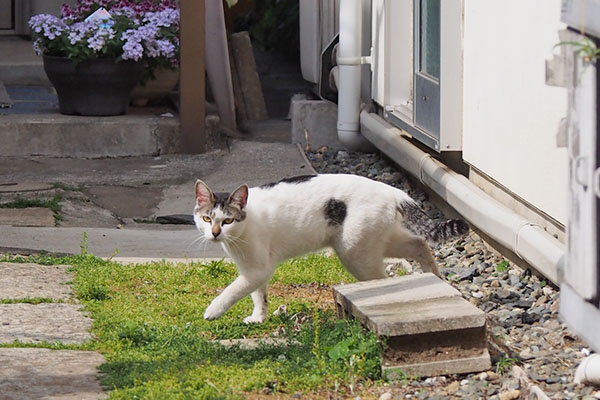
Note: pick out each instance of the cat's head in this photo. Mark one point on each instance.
(219, 216)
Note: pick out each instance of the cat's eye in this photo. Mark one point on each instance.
(227, 221)
(207, 219)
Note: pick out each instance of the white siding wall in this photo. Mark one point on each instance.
(510, 115)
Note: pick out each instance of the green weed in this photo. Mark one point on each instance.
(502, 266)
(504, 364)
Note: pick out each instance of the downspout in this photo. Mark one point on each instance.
(527, 240)
(349, 61)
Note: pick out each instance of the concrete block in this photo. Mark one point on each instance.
(431, 329)
(31, 216)
(20, 281)
(314, 124)
(462, 365)
(50, 374)
(408, 305)
(46, 322)
(58, 135)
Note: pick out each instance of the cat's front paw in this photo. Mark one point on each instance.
(214, 311)
(255, 320)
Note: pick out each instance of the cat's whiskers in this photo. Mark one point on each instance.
(233, 243)
(194, 241)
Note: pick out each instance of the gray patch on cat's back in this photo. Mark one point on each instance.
(335, 212)
(294, 179)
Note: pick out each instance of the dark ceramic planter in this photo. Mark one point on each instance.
(95, 87)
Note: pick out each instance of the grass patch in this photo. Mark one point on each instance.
(148, 322)
(30, 300)
(53, 204)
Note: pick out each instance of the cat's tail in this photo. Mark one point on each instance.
(416, 221)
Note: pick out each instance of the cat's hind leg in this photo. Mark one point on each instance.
(260, 300)
(405, 244)
(364, 262)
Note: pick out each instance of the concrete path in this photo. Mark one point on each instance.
(37, 373)
(105, 197)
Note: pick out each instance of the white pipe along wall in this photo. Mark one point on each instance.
(349, 63)
(527, 240)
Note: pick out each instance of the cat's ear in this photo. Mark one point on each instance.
(239, 197)
(204, 195)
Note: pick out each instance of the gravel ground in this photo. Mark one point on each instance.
(531, 348)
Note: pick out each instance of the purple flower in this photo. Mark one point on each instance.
(81, 29)
(47, 25)
(98, 41)
(165, 18)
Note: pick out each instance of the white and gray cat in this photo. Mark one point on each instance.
(361, 219)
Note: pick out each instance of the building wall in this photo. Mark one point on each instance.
(48, 6)
(510, 115)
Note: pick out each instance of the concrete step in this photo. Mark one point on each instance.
(431, 329)
(57, 135)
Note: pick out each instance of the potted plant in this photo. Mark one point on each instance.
(98, 51)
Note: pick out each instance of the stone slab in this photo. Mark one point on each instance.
(20, 281)
(408, 305)
(253, 344)
(46, 322)
(18, 187)
(57, 135)
(314, 124)
(50, 374)
(458, 366)
(31, 217)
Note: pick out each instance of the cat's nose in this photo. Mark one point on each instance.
(216, 232)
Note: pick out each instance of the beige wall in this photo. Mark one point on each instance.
(510, 115)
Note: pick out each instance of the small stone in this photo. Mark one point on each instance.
(514, 280)
(510, 395)
(385, 396)
(482, 376)
(541, 300)
(478, 280)
(527, 354)
(477, 295)
(495, 283)
(467, 274)
(452, 388)
(492, 376)
(464, 382)
(547, 290)
(342, 155)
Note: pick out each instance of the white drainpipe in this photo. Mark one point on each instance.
(524, 238)
(588, 371)
(349, 62)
